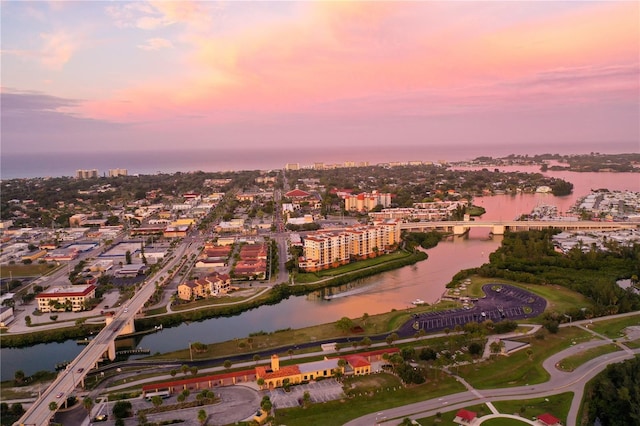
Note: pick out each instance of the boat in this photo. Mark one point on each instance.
(418, 302)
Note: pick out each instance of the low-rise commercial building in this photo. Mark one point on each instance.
(63, 298)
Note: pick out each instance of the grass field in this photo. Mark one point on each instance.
(613, 328)
(374, 324)
(312, 277)
(20, 270)
(213, 301)
(503, 422)
(556, 405)
(575, 361)
(341, 411)
(518, 369)
(447, 417)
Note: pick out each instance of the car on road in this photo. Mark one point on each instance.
(79, 370)
(59, 395)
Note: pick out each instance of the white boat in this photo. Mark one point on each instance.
(418, 302)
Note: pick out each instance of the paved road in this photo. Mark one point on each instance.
(39, 413)
(559, 382)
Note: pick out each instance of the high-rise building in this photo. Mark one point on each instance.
(117, 172)
(86, 174)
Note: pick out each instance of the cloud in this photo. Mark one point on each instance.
(57, 49)
(151, 15)
(156, 44)
(32, 120)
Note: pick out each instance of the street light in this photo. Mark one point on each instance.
(190, 352)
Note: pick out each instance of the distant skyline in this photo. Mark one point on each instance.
(133, 76)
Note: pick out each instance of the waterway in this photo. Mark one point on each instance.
(382, 293)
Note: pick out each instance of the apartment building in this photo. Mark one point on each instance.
(117, 172)
(86, 174)
(214, 284)
(364, 201)
(324, 250)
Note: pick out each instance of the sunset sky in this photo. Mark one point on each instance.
(91, 75)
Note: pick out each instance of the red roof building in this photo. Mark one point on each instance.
(464, 416)
(548, 420)
(297, 193)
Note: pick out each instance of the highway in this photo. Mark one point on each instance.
(40, 413)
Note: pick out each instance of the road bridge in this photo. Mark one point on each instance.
(120, 322)
(498, 227)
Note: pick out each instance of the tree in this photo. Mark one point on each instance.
(142, 418)
(475, 348)
(496, 347)
(256, 358)
(391, 338)
(260, 382)
(16, 409)
(156, 401)
(202, 417)
(365, 318)
(306, 399)
(181, 398)
(366, 342)
(173, 372)
(19, 377)
(121, 409)
(27, 321)
(290, 352)
(127, 257)
(227, 364)
(184, 368)
(266, 404)
(345, 324)
(87, 403)
(53, 406)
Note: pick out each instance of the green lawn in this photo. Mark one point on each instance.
(517, 369)
(633, 344)
(503, 422)
(213, 301)
(447, 417)
(20, 270)
(312, 277)
(341, 411)
(575, 361)
(613, 328)
(374, 324)
(557, 405)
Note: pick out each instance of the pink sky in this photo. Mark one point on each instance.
(211, 74)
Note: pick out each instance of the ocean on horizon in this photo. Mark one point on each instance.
(56, 164)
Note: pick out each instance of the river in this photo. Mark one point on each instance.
(390, 290)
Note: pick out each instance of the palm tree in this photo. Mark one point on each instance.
(87, 403)
(256, 358)
(53, 406)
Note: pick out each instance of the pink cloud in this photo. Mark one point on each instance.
(412, 58)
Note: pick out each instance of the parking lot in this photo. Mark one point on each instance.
(501, 302)
(322, 391)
